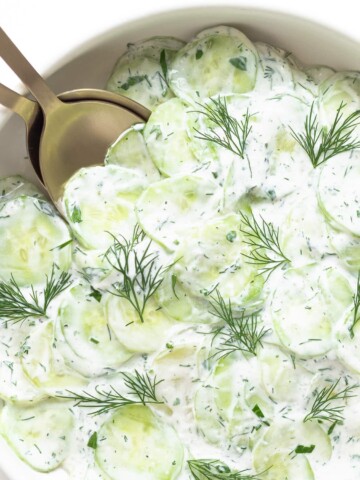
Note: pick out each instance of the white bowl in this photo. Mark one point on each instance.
(90, 64)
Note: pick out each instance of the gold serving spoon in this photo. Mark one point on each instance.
(68, 132)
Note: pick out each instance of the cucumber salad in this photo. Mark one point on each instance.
(194, 314)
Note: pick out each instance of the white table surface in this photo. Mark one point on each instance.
(45, 30)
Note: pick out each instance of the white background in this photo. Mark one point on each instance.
(45, 30)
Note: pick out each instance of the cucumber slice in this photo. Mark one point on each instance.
(110, 208)
(141, 73)
(40, 435)
(137, 445)
(32, 238)
(342, 87)
(276, 449)
(130, 151)
(212, 257)
(167, 140)
(275, 71)
(281, 378)
(221, 413)
(348, 345)
(181, 200)
(177, 302)
(93, 348)
(304, 233)
(134, 335)
(45, 367)
(347, 247)
(305, 307)
(16, 186)
(194, 72)
(338, 192)
(319, 73)
(278, 466)
(178, 367)
(14, 384)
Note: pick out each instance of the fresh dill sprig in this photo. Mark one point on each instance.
(266, 250)
(16, 307)
(142, 391)
(323, 408)
(205, 469)
(140, 275)
(241, 332)
(321, 143)
(356, 309)
(233, 134)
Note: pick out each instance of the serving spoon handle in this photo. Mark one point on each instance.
(26, 108)
(27, 74)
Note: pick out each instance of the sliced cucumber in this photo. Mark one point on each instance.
(348, 346)
(16, 186)
(134, 335)
(276, 449)
(141, 73)
(178, 367)
(212, 257)
(194, 72)
(221, 413)
(180, 304)
(110, 208)
(130, 151)
(167, 140)
(281, 378)
(319, 73)
(338, 192)
(135, 444)
(14, 384)
(45, 367)
(182, 200)
(40, 435)
(319, 298)
(32, 238)
(342, 87)
(281, 466)
(274, 68)
(93, 348)
(347, 247)
(304, 233)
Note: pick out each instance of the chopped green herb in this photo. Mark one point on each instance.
(134, 80)
(230, 236)
(76, 214)
(96, 294)
(199, 53)
(304, 449)
(239, 63)
(92, 443)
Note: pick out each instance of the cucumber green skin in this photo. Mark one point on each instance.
(137, 445)
(194, 76)
(51, 427)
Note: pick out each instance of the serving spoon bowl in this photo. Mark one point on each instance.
(69, 131)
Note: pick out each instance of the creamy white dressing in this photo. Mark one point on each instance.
(280, 186)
